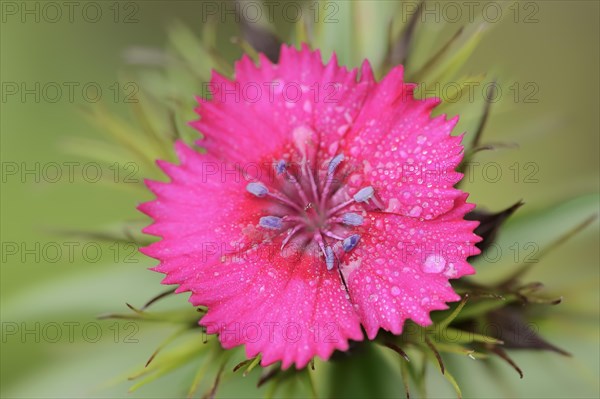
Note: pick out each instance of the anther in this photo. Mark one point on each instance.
(364, 194)
(349, 243)
(271, 222)
(352, 219)
(334, 163)
(280, 167)
(329, 258)
(257, 189)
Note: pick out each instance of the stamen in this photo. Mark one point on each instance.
(298, 187)
(352, 219)
(288, 218)
(285, 201)
(290, 235)
(329, 258)
(364, 194)
(327, 251)
(271, 222)
(349, 243)
(335, 162)
(257, 189)
(332, 235)
(317, 220)
(339, 207)
(280, 167)
(307, 171)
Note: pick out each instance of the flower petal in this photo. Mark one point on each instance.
(201, 213)
(287, 307)
(409, 158)
(257, 113)
(401, 268)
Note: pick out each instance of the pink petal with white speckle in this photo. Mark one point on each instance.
(410, 158)
(256, 114)
(402, 268)
(289, 308)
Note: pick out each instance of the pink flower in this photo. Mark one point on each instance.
(325, 201)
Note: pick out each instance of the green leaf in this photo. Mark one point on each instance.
(170, 362)
(190, 49)
(363, 373)
(372, 42)
(530, 233)
(334, 30)
(453, 382)
(446, 69)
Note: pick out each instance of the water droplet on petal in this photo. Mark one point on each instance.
(415, 211)
(307, 106)
(434, 264)
(451, 272)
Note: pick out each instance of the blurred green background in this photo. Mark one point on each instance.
(51, 296)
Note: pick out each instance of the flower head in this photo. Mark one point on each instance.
(325, 201)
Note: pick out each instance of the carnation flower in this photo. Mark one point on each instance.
(324, 205)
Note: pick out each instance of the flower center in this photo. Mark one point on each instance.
(310, 209)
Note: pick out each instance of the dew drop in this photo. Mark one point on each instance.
(415, 211)
(343, 129)
(393, 205)
(307, 106)
(451, 272)
(395, 291)
(434, 264)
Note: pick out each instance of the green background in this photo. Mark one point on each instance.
(559, 134)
